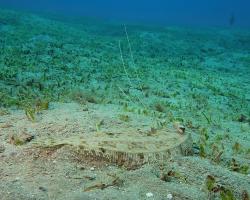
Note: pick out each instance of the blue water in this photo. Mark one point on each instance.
(184, 12)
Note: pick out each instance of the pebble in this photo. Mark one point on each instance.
(16, 179)
(149, 194)
(92, 169)
(169, 196)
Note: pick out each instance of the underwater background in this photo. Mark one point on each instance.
(192, 12)
(124, 99)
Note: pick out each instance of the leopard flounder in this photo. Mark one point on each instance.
(130, 147)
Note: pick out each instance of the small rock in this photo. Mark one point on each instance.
(92, 169)
(169, 196)
(149, 194)
(16, 179)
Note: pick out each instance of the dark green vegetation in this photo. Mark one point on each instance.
(213, 187)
